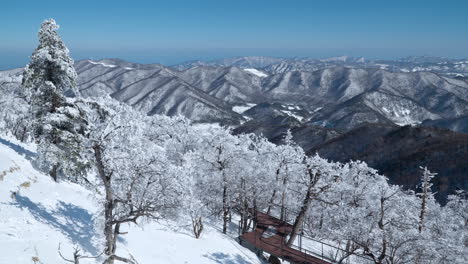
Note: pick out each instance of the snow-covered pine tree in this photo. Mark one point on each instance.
(58, 125)
(60, 128)
(50, 62)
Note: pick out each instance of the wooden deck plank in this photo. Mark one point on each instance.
(267, 220)
(273, 240)
(275, 245)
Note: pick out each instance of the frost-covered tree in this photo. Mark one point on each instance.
(193, 196)
(447, 231)
(316, 177)
(366, 215)
(337, 214)
(135, 176)
(217, 167)
(426, 194)
(255, 180)
(288, 159)
(14, 117)
(58, 125)
(60, 136)
(50, 62)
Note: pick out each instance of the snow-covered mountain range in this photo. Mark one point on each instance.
(444, 66)
(338, 97)
(343, 93)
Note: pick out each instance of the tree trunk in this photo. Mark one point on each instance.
(283, 199)
(53, 172)
(245, 212)
(22, 136)
(381, 257)
(114, 237)
(423, 209)
(273, 195)
(108, 206)
(313, 179)
(349, 251)
(197, 225)
(300, 217)
(272, 200)
(225, 209)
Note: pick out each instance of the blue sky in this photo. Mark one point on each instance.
(169, 32)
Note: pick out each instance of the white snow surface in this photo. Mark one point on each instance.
(289, 113)
(242, 108)
(44, 214)
(102, 64)
(256, 72)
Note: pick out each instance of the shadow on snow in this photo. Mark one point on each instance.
(18, 149)
(74, 222)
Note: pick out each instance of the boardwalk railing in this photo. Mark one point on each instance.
(311, 253)
(270, 236)
(282, 251)
(275, 243)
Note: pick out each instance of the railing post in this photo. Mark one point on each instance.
(322, 249)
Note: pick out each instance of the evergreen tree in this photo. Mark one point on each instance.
(58, 125)
(50, 62)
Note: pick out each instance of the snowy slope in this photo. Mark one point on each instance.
(44, 214)
(158, 243)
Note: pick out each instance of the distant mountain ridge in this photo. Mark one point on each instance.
(444, 66)
(338, 97)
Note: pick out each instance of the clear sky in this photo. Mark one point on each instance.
(172, 31)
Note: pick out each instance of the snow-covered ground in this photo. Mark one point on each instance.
(172, 244)
(37, 214)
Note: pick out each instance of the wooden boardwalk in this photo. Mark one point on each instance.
(270, 235)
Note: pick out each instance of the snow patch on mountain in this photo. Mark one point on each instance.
(256, 72)
(290, 113)
(382, 66)
(102, 64)
(242, 108)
